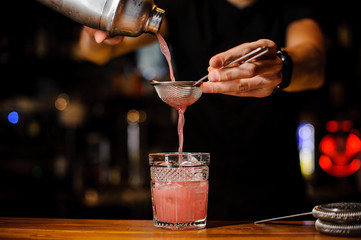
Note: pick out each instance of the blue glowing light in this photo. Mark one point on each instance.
(13, 117)
(306, 146)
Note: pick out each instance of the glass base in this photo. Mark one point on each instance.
(200, 224)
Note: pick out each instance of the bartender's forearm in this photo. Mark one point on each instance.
(305, 45)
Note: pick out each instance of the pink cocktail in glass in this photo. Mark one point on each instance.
(180, 202)
(179, 192)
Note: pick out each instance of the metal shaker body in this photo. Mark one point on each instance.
(116, 17)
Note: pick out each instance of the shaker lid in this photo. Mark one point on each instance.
(155, 20)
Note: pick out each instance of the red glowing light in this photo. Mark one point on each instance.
(332, 126)
(325, 163)
(346, 126)
(339, 171)
(353, 144)
(328, 145)
(339, 155)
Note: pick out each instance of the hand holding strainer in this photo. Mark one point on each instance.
(184, 93)
(244, 59)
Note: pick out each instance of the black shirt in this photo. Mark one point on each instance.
(254, 170)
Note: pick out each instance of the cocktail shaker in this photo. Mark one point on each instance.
(116, 17)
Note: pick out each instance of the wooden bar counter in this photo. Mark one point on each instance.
(51, 228)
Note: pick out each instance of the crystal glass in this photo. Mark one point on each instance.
(179, 184)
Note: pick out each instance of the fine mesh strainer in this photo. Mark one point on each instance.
(180, 94)
(177, 94)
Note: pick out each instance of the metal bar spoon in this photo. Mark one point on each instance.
(284, 217)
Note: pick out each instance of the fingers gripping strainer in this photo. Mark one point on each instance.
(177, 94)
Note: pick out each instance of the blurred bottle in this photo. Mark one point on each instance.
(116, 17)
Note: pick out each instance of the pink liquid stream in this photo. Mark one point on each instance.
(181, 108)
(165, 50)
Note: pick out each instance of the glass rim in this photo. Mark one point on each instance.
(172, 159)
(176, 153)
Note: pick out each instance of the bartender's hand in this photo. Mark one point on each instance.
(253, 79)
(96, 46)
(103, 37)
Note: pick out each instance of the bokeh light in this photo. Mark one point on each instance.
(13, 117)
(62, 101)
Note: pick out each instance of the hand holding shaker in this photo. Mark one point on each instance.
(115, 17)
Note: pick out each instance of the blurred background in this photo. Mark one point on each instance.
(74, 136)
